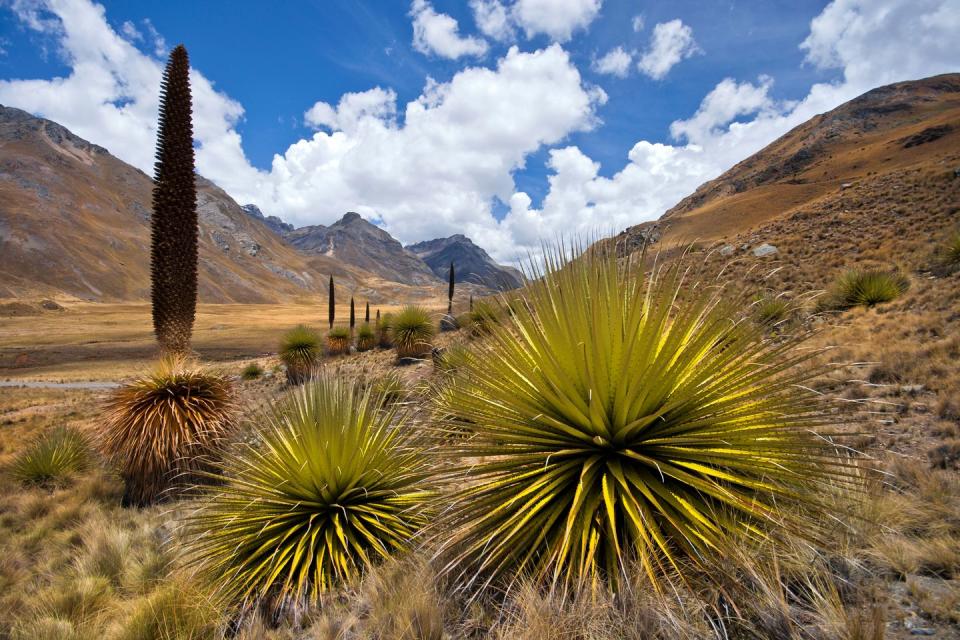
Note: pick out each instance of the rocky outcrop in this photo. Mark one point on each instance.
(471, 263)
(273, 223)
(357, 242)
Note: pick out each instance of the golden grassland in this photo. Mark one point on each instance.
(103, 341)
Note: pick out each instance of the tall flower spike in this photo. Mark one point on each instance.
(173, 230)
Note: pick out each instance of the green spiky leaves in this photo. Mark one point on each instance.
(337, 482)
(300, 351)
(866, 288)
(412, 332)
(173, 229)
(605, 420)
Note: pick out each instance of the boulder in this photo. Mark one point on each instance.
(765, 250)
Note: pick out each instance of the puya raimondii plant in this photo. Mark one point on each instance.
(607, 420)
(337, 482)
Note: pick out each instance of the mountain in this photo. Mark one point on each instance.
(75, 221)
(273, 223)
(895, 148)
(353, 240)
(471, 263)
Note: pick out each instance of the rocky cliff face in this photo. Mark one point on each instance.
(471, 263)
(357, 242)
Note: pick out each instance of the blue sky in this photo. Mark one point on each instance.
(739, 78)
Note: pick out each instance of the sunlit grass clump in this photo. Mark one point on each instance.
(865, 288)
(53, 457)
(163, 428)
(338, 341)
(366, 338)
(412, 332)
(252, 371)
(946, 257)
(608, 419)
(770, 311)
(337, 483)
(482, 317)
(300, 352)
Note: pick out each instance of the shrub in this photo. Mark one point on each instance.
(609, 418)
(300, 353)
(252, 371)
(366, 339)
(385, 331)
(412, 332)
(337, 483)
(483, 316)
(865, 288)
(53, 457)
(338, 341)
(389, 387)
(771, 311)
(163, 428)
(452, 357)
(946, 258)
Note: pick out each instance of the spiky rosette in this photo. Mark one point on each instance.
(412, 332)
(300, 352)
(338, 341)
(164, 428)
(173, 228)
(366, 338)
(337, 482)
(605, 419)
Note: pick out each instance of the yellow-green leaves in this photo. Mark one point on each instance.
(337, 482)
(412, 332)
(607, 419)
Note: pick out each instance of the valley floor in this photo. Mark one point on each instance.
(75, 564)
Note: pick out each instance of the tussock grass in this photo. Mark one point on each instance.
(771, 311)
(54, 457)
(300, 352)
(338, 483)
(864, 288)
(482, 317)
(946, 257)
(606, 418)
(163, 428)
(413, 332)
(252, 371)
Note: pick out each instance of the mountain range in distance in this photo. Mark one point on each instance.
(74, 220)
(75, 223)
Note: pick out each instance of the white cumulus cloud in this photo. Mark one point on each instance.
(671, 42)
(558, 19)
(439, 34)
(493, 19)
(615, 62)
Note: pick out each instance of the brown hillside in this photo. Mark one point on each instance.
(74, 223)
(885, 135)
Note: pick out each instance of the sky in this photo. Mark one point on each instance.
(512, 121)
